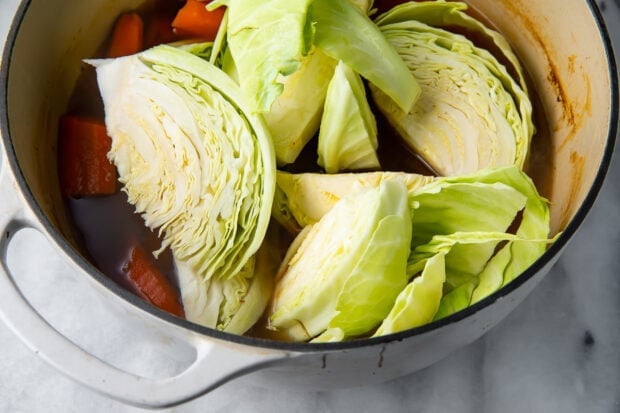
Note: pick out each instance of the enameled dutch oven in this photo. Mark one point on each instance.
(562, 43)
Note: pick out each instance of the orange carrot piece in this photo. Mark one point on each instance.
(83, 166)
(194, 20)
(127, 36)
(150, 283)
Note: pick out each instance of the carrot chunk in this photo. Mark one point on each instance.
(150, 283)
(127, 36)
(194, 20)
(83, 166)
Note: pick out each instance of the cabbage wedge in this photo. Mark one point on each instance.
(419, 301)
(346, 33)
(345, 272)
(471, 234)
(267, 40)
(453, 14)
(302, 199)
(472, 113)
(283, 54)
(233, 304)
(444, 285)
(295, 115)
(193, 160)
(348, 133)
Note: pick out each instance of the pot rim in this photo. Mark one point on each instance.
(107, 283)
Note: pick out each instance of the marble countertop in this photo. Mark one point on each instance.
(558, 352)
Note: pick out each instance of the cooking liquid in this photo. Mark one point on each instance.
(109, 227)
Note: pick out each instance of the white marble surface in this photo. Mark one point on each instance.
(558, 352)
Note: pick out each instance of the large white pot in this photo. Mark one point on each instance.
(567, 53)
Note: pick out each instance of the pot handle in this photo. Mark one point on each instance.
(216, 361)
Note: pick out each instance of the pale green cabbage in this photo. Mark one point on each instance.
(283, 55)
(375, 253)
(467, 219)
(302, 199)
(471, 234)
(348, 133)
(472, 114)
(417, 303)
(193, 160)
(346, 33)
(295, 115)
(267, 40)
(231, 304)
(464, 286)
(342, 277)
(364, 5)
(451, 15)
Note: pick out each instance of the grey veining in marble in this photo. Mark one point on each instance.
(558, 352)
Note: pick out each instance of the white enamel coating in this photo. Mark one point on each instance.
(570, 70)
(215, 361)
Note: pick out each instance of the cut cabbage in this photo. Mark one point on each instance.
(453, 15)
(346, 272)
(346, 33)
(417, 303)
(295, 115)
(283, 54)
(364, 5)
(302, 199)
(348, 133)
(471, 234)
(267, 40)
(231, 304)
(471, 113)
(193, 160)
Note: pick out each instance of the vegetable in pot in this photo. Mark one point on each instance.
(231, 304)
(194, 20)
(295, 115)
(472, 114)
(348, 133)
(271, 41)
(127, 36)
(470, 235)
(197, 128)
(302, 199)
(192, 159)
(150, 283)
(346, 270)
(83, 166)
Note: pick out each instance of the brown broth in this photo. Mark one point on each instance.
(109, 226)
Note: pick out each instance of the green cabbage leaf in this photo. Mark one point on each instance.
(346, 33)
(233, 304)
(472, 113)
(344, 273)
(283, 55)
(302, 199)
(267, 40)
(419, 301)
(295, 115)
(348, 132)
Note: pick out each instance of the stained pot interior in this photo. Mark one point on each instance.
(557, 40)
